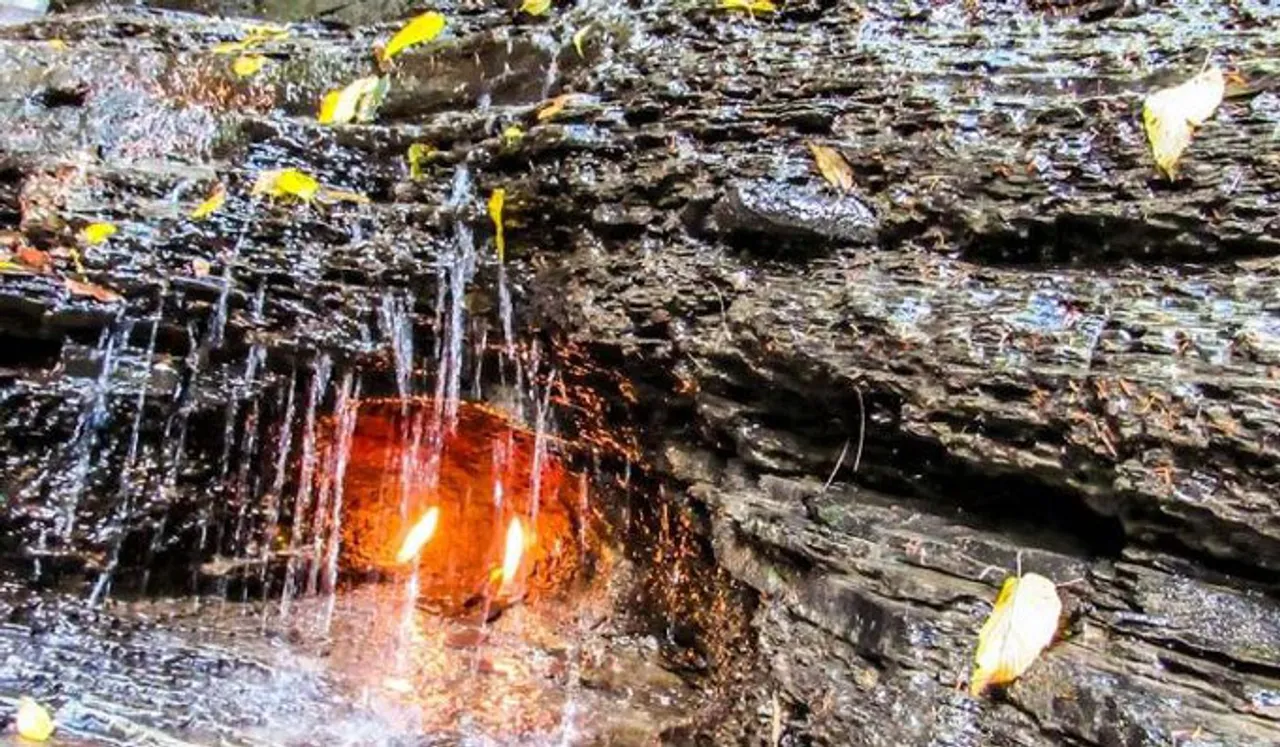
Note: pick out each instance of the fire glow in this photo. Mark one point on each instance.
(419, 535)
(513, 552)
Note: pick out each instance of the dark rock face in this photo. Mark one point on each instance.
(1013, 344)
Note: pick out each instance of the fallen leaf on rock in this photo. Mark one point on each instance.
(58, 44)
(33, 721)
(286, 183)
(358, 101)
(420, 30)
(257, 35)
(1171, 115)
(554, 107)
(33, 258)
(535, 7)
(7, 266)
(1022, 623)
(247, 64)
(580, 37)
(211, 203)
(833, 167)
(76, 262)
(751, 7)
(418, 152)
(512, 135)
(96, 233)
(96, 292)
(496, 201)
(200, 267)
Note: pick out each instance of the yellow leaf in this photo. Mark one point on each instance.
(286, 183)
(9, 266)
(834, 168)
(496, 200)
(211, 203)
(535, 7)
(750, 7)
(76, 261)
(554, 107)
(257, 35)
(34, 722)
(1171, 115)
(357, 101)
(58, 44)
(247, 64)
(96, 233)
(1021, 625)
(421, 29)
(579, 37)
(418, 152)
(512, 135)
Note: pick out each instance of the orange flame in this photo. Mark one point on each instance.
(419, 535)
(514, 549)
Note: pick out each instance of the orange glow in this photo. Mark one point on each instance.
(514, 551)
(419, 535)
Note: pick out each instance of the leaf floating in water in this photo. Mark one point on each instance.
(535, 7)
(358, 101)
(579, 38)
(33, 722)
(247, 65)
(96, 233)
(496, 200)
(257, 35)
(834, 168)
(750, 7)
(211, 203)
(512, 136)
(418, 152)
(1021, 625)
(96, 292)
(420, 30)
(1171, 115)
(286, 183)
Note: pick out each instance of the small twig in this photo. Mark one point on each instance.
(839, 461)
(862, 428)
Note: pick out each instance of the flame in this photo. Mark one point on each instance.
(419, 535)
(514, 549)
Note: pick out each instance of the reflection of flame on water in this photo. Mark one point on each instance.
(419, 535)
(513, 552)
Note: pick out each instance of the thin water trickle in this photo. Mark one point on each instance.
(348, 409)
(460, 265)
(321, 368)
(117, 524)
(93, 417)
(284, 444)
(395, 318)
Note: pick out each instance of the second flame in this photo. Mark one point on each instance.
(419, 535)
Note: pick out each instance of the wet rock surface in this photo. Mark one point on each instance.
(1014, 343)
